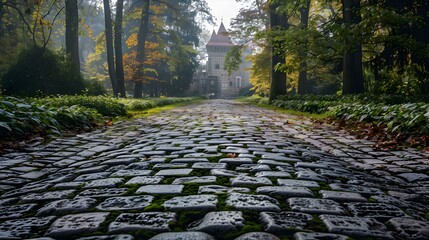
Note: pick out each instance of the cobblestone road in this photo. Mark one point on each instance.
(214, 170)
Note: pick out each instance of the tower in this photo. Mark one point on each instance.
(219, 83)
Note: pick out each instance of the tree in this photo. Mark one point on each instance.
(109, 47)
(141, 41)
(278, 78)
(118, 48)
(353, 81)
(303, 87)
(72, 32)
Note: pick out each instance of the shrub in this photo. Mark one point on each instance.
(19, 118)
(94, 88)
(41, 71)
(105, 106)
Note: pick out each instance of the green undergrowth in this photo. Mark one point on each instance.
(23, 118)
(384, 117)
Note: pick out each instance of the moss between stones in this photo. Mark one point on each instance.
(316, 224)
(185, 218)
(200, 172)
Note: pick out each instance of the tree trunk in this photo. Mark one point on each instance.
(303, 87)
(352, 62)
(109, 47)
(141, 40)
(72, 33)
(278, 78)
(421, 33)
(118, 48)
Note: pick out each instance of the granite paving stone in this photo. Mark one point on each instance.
(318, 235)
(257, 235)
(160, 166)
(218, 189)
(236, 161)
(174, 172)
(356, 226)
(379, 211)
(316, 206)
(76, 224)
(149, 221)
(408, 228)
(125, 203)
(203, 179)
(278, 222)
(131, 173)
(24, 227)
(342, 196)
(102, 192)
(145, 180)
(202, 165)
(257, 203)
(355, 188)
(250, 181)
(227, 173)
(297, 183)
(284, 191)
(15, 211)
(219, 223)
(183, 236)
(161, 189)
(276, 174)
(64, 206)
(109, 237)
(203, 202)
(104, 183)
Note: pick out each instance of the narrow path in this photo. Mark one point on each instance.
(213, 170)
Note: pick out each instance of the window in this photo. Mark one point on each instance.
(230, 83)
(238, 81)
(217, 66)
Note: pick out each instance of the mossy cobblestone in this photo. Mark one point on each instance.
(213, 170)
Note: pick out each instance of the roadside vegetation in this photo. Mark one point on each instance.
(392, 121)
(22, 118)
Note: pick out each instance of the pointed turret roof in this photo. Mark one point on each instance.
(221, 38)
(222, 29)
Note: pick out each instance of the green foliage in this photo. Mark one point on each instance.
(41, 71)
(144, 104)
(19, 118)
(397, 114)
(94, 88)
(105, 106)
(233, 59)
(398, 118)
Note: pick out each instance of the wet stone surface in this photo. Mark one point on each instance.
(285, 191)
(150, 221)
(76, 224)
(183, 236)
(318, 235)
(379, 211)
(160, 189)
(23, 228)
(192, 202)
(218, 223)
(125, 203)
(249, 202)
(318, 206)
(213, 170)
(283, 221)
(66, 206)
(354, 226)
(408, 228)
